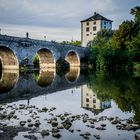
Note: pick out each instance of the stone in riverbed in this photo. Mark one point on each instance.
(12, 112)
(55, 130)
(15, 116)
(30, 125)
(137, 136)
(9, 116)
(87, 134)
(60, 127)
(97, 136)
(31, 137)
(2, 116)
(100, 128)
(56, 135)
(37, 123)
(67, 124)
(103, 125)
(71, 130)
(29, 120)
(44, 109)
(54, 123)
(52, 109)
(85, 119)
(84, 136)
(22, 123)
(45, 133)
(62, 118)
(115, 122)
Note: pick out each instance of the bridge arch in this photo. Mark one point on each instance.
(8, 59)
(45, 58)
(73, 58)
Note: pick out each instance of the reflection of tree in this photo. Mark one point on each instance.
(121, 87)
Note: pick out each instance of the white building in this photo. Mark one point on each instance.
(92, 25)
(90, 101)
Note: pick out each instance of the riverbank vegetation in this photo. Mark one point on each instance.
(75, 43)
(119, 49)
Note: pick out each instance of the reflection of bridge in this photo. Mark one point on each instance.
(15, 51)
(31, 85)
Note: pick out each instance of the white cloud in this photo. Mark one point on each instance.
(61, 18)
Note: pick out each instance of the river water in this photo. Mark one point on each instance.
(76, 105)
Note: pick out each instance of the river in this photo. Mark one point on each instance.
(79, 104)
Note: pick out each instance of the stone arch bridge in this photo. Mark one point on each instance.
(15, 51)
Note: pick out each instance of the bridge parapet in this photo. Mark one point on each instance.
(26, 48)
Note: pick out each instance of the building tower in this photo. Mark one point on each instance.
(92, 25)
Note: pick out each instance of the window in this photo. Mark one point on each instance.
(87, 23)
(94, 22)
(105, 22)
(87, 100)
(94, 101)
(94, 106)
(94, 28)
(87, 34)
(104, 27)
(94, 34)
(87, 29)
(87, 105)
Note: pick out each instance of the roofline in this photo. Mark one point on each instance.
(93, 20)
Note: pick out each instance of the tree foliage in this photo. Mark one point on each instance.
(117, 49)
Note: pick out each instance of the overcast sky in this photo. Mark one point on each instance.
(58, 19)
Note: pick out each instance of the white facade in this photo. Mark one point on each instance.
(91, 26)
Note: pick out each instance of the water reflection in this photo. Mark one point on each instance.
(120, 86)
(45, 77)
(73, 74)
(90, 101)
(8, 79)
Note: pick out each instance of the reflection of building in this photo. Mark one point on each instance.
(91, 26)
(90, 101)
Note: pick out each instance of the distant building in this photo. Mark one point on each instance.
(90, 101)
(92, 25)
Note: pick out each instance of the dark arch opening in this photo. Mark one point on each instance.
(44, 59)
(73, 59)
